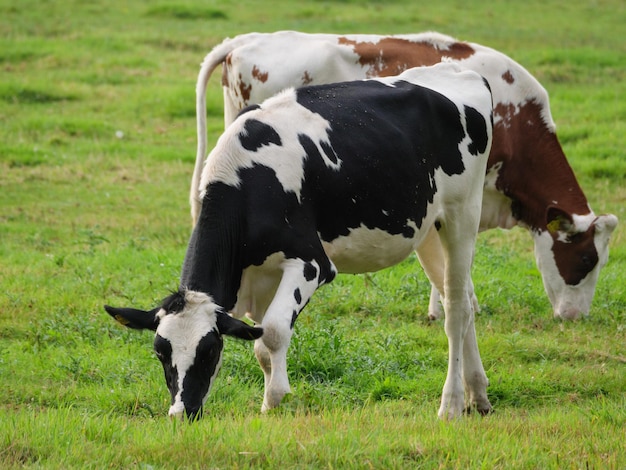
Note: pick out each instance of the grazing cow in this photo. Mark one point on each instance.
(349, 177)
(529, 181)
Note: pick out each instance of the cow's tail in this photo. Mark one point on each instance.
(211, 61)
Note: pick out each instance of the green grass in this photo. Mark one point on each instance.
(349, 438)
(97, 143)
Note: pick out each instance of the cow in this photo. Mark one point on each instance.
(349, 177)
(529, 182)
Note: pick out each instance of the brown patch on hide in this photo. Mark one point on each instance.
(306, 78)
(260, 76)
(508, 77)
(391, 56)
(538, 179)
(535, 173)
(244, 89)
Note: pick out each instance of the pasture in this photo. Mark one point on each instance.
(97, 146)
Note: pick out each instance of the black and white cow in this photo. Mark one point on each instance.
(349, 177)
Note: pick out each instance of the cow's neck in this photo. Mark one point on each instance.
(538, 179)
(213, 263)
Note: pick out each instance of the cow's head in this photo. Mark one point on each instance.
(188, 342)
(570, 253)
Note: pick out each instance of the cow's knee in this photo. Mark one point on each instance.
(272, 356)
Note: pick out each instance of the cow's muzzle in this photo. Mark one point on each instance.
(185, 414)
(569, 313)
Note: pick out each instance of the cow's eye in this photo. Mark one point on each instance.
(162, 348)
(575, 237)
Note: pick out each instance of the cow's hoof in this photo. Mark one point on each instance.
(483, 410)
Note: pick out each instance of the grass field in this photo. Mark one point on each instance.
(97, 143)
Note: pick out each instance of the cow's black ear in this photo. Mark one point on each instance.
(133, 318)
(230, 326)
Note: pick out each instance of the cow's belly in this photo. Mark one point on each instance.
(368, 250)
(496, 207)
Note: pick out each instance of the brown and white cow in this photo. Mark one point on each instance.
(529, 182)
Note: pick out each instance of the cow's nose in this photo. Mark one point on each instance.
(568, 313)
(193, 414)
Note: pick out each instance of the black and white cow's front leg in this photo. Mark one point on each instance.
(299, 281)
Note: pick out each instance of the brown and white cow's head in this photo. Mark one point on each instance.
(188, 342)
(570, 254)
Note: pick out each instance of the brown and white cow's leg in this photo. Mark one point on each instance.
(299, 281)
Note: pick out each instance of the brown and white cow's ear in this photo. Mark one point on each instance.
(558, 220)
(606, 223)
(136, 319)
(230, 326)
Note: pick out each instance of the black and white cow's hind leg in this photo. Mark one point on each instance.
(465, 369)
(431, 256)
(435, 311)
(474, 377)
(434, 302)
(299, 281)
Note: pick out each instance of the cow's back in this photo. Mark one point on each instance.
(269, 63)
